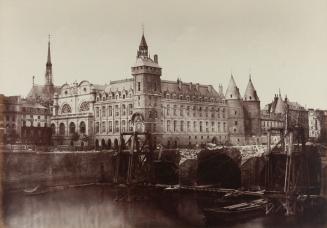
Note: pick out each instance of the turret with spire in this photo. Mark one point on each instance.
(250, 92)
(232, 93)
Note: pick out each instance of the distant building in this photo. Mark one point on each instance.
(281, 112)
(316, 118)
(23, 121)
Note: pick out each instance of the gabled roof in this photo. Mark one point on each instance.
(232, 93)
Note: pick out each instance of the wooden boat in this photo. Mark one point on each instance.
(235, 212)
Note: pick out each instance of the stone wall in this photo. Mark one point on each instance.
(25, 170)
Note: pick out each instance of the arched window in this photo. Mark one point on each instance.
(71, 128)
(62, 129)
(82, 127)
(53, 129)
(66, 109)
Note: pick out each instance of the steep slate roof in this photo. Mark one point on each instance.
(250, 92)
(181, 88)
(232, 93)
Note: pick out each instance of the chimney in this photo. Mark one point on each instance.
(155, 57)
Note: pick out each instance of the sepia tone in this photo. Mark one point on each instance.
(167, 143)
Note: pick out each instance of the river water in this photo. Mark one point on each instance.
(105, 206)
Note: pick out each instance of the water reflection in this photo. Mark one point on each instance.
(98, 207)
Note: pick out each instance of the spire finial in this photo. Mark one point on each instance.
(33, 80)
(143, 29)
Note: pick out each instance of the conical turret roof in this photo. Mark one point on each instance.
(143, 43)
(232, 92)
(280, 106)
(250, 92)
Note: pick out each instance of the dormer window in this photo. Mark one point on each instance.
(250, 98)
(231, 96)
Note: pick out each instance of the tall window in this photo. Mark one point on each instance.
(82, 127)
(168, 125)
(123, 125)
(194, 126)
(130, 125)
(219, 127)
(188, 110)
(97, 113)
(200, 126)
(116, 110)
(97, 127)
(62, 129)
(175, 125)
(200, 111)
(181, 112)
(110, 110)
(139, 86)
(71, 128)
(103, 111)
(182, 125)
(168, 110)
(212, 126)
(188, 126)
(207, 127)
(175, 107)
(224, 127)
(110, 126)
(130, 109)
(116, 126)
(123, 107)
(103, 127)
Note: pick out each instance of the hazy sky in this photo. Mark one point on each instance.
(282, 43)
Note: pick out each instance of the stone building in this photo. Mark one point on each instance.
(72, 121)
(23, 121)
(316, 125)
(281, 112)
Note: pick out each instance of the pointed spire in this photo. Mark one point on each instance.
(49, 53)
(250, 92)
(143, 47)
(48, 70)
(232, 90)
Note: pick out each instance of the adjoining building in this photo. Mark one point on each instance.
(316, 126)
(24, 121)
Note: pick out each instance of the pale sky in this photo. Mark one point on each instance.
(282, 43)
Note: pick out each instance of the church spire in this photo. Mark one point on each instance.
(250, 92)
(48, 72)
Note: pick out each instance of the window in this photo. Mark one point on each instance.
(130, 109)
(123, 125)
(168, 125)
(62, 129)
(97, 127)
(110, 110)
(188, 126)
(123, 109)
(71, 128)
(168, 110)
(110, 126)
(224, 126)
(235, 123)
(130, 125)
(139, 86)
(82, 127)
(103, 111)
(97, 113)
(207, 127)
(175, 107)
(200, 126)
(194, 126)
(219, 127)
(181, 110)
(103, 127)
(116, 126)
(212, 126)
(116, 110)
(154, 127)
(188, 110)
(175, 125)
(200, 111)
(182, 126)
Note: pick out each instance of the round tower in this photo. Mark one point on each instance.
(235, 114)
(251, 103)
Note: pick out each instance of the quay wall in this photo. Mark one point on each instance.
(26, 170)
